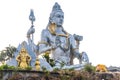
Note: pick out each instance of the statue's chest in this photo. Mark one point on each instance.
(61, 42)
(58, 40)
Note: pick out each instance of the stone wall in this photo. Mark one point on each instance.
(62, 75)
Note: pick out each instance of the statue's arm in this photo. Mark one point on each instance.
(18, 59)
(74, 48)
(45, 42)
(30, 38)
(29, 33)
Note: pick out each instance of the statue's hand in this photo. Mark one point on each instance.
(18, 60)
(78, 37)
(57, 41)
(30, 31)
(54, 46)
(84, 58)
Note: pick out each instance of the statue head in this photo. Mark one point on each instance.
(57, 15)
(23, 51)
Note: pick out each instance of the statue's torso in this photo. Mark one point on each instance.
(60, 53)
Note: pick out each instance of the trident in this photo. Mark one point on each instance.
(32, 19)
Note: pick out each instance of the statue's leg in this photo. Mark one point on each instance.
(45, 64)
(84, 58)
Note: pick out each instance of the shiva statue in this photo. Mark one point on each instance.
(63, 46)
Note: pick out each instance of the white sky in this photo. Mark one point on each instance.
(98, 21)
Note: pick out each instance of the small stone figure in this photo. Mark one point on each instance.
(23, 59)
(37, 64)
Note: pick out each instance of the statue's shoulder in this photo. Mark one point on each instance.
(45, 32)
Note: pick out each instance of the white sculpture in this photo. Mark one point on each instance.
(62, 45)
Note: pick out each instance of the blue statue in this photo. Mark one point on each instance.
(62, 45)
(61, 42)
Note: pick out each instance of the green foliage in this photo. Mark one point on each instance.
(6, 67)
(65, 77)
(89, 68)
(50, 61)
(2, 55)
(56, 70)
(62, 64)
(71, 69)
(46, 56)
(8, 52)
(11, 67)
(44, 69)
(28, 68)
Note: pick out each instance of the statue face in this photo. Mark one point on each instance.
(23, 51)
(58, 18)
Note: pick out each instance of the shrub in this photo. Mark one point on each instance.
(89, 68)
(3, 67)
(47, 57)
(28, 68)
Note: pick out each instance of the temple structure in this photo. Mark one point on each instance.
(60, 44)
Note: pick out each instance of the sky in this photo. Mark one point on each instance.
(98, 21)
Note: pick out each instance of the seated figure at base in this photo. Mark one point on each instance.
(61, 45)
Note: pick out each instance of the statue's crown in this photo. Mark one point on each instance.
(56, 7)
